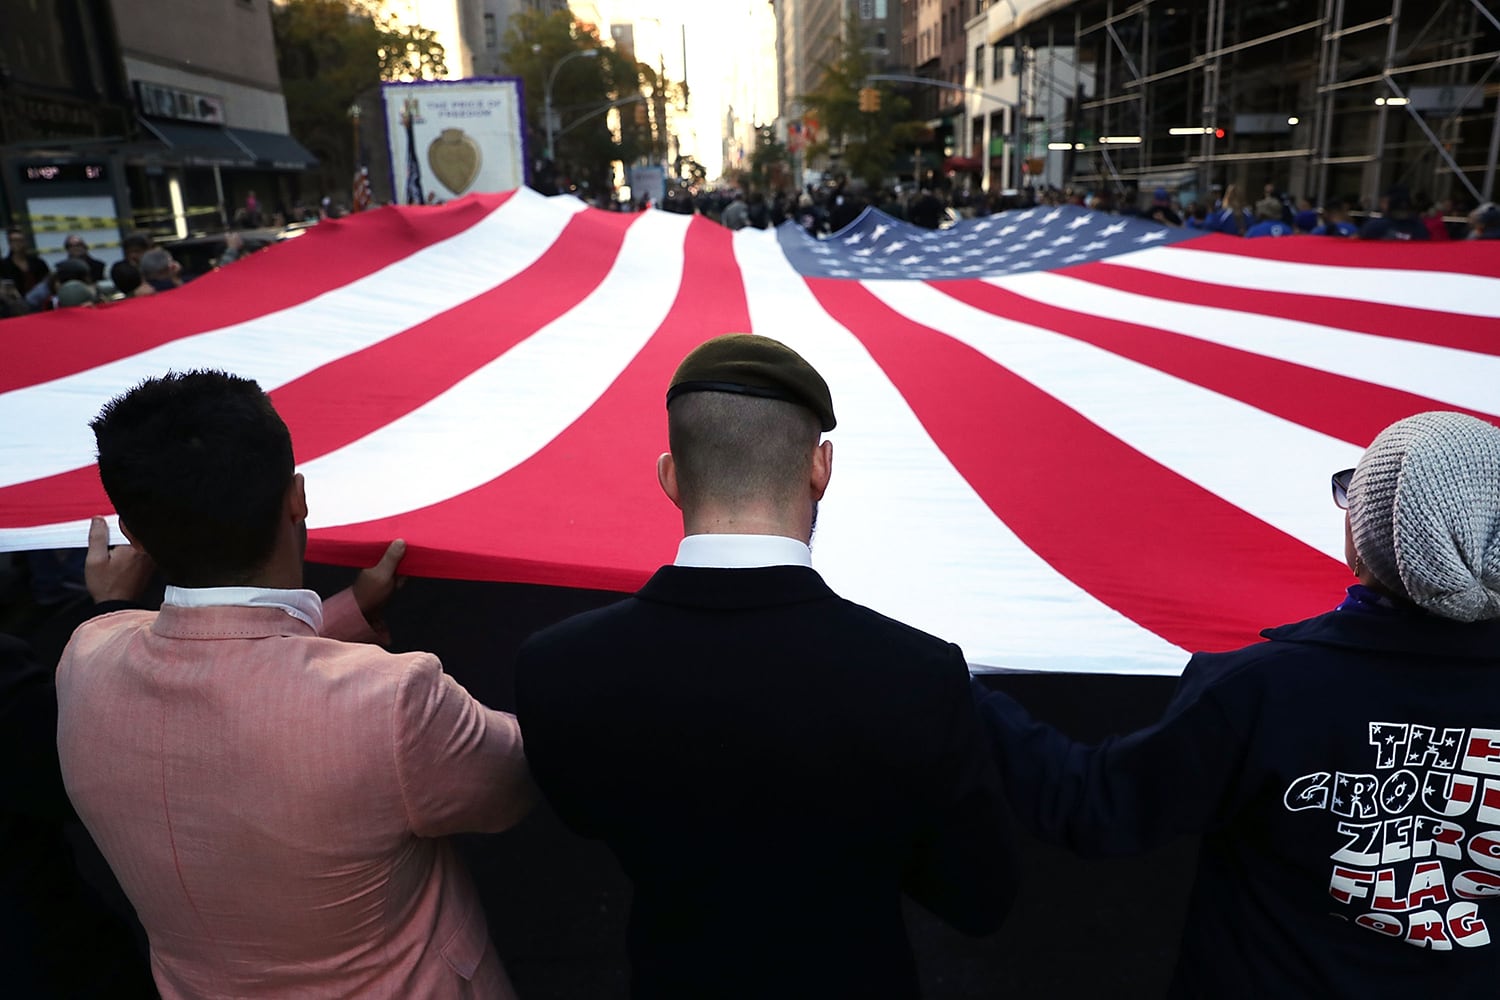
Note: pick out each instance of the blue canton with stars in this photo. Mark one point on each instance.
(878, 246)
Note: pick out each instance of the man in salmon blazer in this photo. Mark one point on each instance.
(272, 789)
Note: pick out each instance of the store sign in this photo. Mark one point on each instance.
(185, 105)
(48, 173)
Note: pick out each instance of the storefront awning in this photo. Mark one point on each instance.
(198, 145)
(218, 146)
(274, 150)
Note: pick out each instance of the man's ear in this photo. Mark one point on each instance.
(666, 475)
(129, 537)
(296, 500)
(822, 469)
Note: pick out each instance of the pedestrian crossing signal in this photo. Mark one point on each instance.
(869, 99)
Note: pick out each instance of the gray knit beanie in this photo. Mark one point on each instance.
(1424, 509)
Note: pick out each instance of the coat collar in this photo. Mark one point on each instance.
(1420, 635)
(226, 622)
(726, 589)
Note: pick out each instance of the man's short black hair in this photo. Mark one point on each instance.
(136, 241)
(125, 276)
(197, 465)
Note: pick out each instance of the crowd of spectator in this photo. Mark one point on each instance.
(828, 207)
(28, 284)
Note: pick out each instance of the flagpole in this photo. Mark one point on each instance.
(354, 114)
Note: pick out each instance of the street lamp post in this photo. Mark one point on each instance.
(551, 79)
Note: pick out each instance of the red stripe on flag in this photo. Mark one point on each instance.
(1423, 326)
(362, 392)
(1336, 405)
(1453, 256)
(328, 256)
(585, 511)
(66, 496)
(1133, 533)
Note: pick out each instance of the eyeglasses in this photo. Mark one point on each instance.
(1341, 481)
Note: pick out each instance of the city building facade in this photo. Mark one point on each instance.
(165, 115)
(1324, 99)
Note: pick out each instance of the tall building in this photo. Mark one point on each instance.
(140, 114)
(1328, 100)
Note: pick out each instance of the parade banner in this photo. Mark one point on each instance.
(1067, 441)
(454, 137)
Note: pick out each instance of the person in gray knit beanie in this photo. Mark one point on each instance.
(1424, 514)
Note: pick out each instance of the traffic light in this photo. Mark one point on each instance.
(869, 99)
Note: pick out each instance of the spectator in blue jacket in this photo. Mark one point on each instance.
(1336, 221)
(1232, 217)
(1269, 222)
(1344, 774)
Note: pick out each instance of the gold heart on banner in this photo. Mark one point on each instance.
(454, 157)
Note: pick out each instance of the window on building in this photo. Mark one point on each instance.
(979, 66)
(997, 70)
(491, 40)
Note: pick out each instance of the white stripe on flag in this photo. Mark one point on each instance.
(1441, 291)
(1458, 378)
(1269, 467)
(901, 531)
(507, 411)
(279, 347)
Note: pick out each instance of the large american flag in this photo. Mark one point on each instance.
(1066, 441)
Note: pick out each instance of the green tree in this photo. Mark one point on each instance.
(409, 52)
(768, 159)
(583, 92)
(330, 52)
(866, 141)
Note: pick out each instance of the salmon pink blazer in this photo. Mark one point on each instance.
(275, 802)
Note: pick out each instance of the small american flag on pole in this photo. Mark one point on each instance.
(361, 189)
(1067, 440)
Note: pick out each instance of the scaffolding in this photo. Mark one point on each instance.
(1322, 98)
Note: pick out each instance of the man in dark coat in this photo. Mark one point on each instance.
(772, 765)
(21, 266)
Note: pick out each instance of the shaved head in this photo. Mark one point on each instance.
(733, 450)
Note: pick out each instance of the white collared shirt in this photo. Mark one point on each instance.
(303, 605)
(742, 551)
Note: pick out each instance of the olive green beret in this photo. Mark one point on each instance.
(753, 366)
